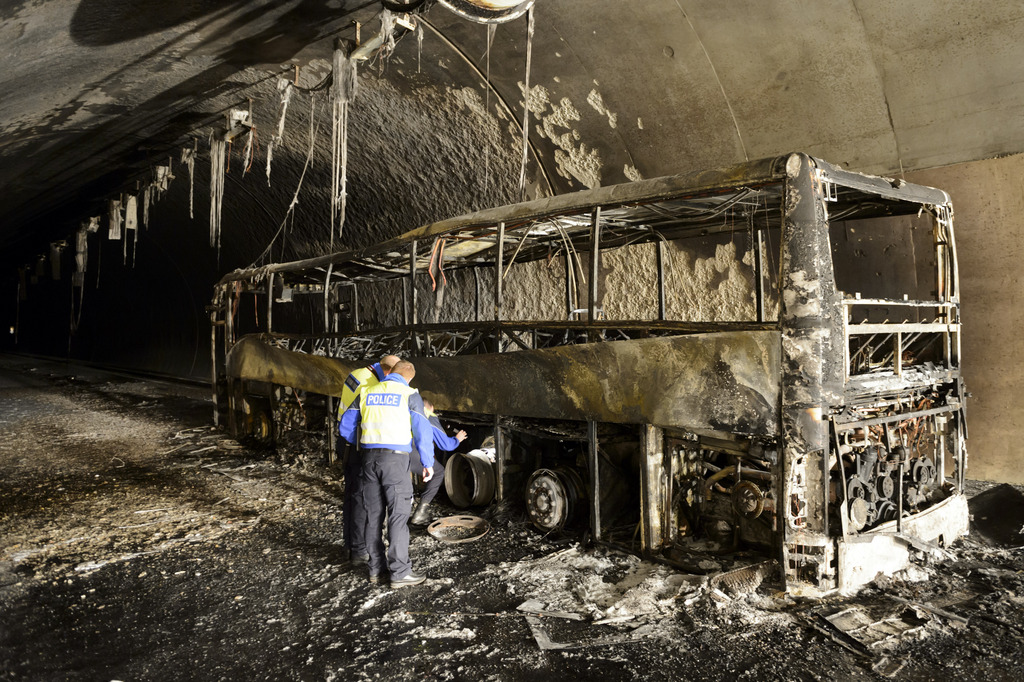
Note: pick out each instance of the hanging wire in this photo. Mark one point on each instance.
(295, 198)
(526, 107)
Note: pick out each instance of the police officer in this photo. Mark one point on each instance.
(442, 441)
(354, 512)
(388, 418)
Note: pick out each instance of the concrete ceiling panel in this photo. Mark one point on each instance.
(953, 74)
(98, 91)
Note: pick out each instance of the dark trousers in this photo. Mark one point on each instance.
(433, 485)
(354, 514)
(387, 487)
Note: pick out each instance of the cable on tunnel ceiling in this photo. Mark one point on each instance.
(508, 107)
(286, 89)
(295, 197)
(526, 100)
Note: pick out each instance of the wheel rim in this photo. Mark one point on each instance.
(547, 500)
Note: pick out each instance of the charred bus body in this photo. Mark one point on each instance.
(762, 357)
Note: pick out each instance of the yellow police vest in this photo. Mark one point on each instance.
(384, 414)
(360, 379)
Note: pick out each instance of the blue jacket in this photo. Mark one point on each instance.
(348, 428)
(441, 439)
(378, 370)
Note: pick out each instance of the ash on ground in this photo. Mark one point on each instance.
(139, 542)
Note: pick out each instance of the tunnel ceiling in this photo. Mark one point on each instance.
(97, 93)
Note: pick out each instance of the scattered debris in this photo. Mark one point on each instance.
(91, 546)
(888, 667)
(536, 608)
(461, 528)
(746, 579)
(544, 641)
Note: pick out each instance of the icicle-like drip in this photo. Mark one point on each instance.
(78, 276)
(188, 157)
(217, 148)
(147, 199)
(99, 262)
(526, 108)
(81, 255)
(290, 213)
(131, 213)
(162, 177)
(250, 138)
(419, 46)
(131, 224)
(250, 141)
(56, 248)
(343, 91)
(388, 19)
(114, 212)
(286, 88)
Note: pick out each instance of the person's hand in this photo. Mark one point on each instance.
(460, 436)
(428, 473)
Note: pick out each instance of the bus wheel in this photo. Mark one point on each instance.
(554, 497)
(262, 430)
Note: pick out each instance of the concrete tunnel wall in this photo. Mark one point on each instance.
(708, 84)
(988, 202)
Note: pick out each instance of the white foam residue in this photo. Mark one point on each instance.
(801, 287)
(441, 633)
(470, 99)
(537, 99)
(708, 289)
(580, 163)
(632, 173)
(570, 581)
(573, 158)
(595, 100)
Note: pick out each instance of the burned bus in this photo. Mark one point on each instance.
(763, 359)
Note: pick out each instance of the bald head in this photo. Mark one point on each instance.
(388, 362)
(405, 369)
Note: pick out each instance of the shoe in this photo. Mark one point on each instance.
(359, 559)
(407, 581)
(378, 579)
(422, 515)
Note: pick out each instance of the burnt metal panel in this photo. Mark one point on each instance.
(705, 382)
(807, 342)
(253, 360)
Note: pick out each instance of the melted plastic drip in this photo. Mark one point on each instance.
(290, 213)
(286, 89)
(188, 157)
(342, 92)
(217, 148)
(419, 45)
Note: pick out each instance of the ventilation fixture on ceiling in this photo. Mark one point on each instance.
(480, 11)
(488, 11)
